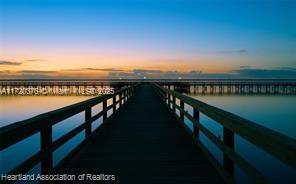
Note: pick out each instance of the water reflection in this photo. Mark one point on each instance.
(27, 107)
(275, 112)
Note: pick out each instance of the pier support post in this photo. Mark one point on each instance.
(46, 141)
(228, 139)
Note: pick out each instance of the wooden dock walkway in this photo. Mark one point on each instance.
(143, 143)
(144, 140)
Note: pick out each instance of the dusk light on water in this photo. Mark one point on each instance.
(147, 91)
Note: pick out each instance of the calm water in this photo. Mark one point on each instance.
(275, 112)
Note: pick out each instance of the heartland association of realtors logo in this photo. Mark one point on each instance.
(55, 90)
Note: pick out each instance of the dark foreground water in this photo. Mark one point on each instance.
(275, 112)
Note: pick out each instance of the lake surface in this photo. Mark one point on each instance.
(275, 112)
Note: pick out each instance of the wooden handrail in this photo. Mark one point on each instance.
(280, 146)
(33, 125)
(13, 133)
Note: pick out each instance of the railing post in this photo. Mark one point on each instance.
(196, 116)
(120, 99)
(166, 97)
(105, 110)
(182, 107)
(46, 141)
(169, 100)
(123, 96)
(174, 103)
(228, 139)
(130, 92)
(88, 124)
(114, 103)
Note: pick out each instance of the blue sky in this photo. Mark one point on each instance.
(207, 36)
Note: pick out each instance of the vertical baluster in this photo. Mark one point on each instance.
(120, 99)
(46, 141)
(88, 124)
(123, 96)
(105, 110)
(174, 103)
(127, 94)
(169, 100)
(182, 107)
(131, 92)
(228, 139)
(114, 103)
(196, 116)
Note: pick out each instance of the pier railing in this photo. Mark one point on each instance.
(42, 124)
(278, 145)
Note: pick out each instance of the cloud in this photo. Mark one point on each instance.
(103, 69)
(282, 72)
(37, 71)
(33, 60)
(158, 74)
(287, 68)
(240, 73)
(9, 63)
(237, 51)
(245, 67)
(144, 72)
(12, 63)
(94, 69)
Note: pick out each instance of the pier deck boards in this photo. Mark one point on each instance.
(143, 143)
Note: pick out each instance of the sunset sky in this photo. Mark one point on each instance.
(162, 39)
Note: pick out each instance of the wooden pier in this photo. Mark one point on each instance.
(193, 86)
(145, 140)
